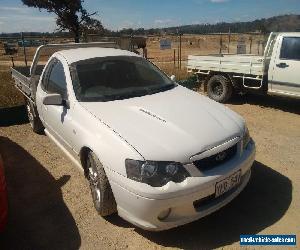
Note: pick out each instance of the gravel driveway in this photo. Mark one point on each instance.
(51, 206)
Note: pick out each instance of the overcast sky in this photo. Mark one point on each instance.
(118, 14)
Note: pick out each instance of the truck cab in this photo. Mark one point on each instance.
(283, 75)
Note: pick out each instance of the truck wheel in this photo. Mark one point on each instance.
(33, 118)
(102, 194)
(219, 88)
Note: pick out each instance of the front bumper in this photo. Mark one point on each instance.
(141, 204)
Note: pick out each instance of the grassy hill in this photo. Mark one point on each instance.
(275, 24)
(283, 23)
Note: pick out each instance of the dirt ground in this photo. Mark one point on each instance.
(51, 207)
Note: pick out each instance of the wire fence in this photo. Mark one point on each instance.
(174, 59)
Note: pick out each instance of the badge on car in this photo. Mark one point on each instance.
(228, 183)
(221, 156)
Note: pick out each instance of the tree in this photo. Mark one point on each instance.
(70, 15)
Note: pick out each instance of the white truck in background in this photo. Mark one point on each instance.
(276, 72)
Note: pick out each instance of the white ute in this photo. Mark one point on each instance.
(276, 72)
(156, 153)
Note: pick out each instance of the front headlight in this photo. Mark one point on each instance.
(246, 137)
(155, 173)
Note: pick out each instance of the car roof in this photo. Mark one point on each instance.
(79, 54)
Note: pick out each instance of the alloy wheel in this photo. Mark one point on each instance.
(94, 183)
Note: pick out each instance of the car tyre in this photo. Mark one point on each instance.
(219, 88)
(101, 191)
(33, 117)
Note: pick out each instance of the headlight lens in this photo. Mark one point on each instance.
(155, 173)
(246, 138)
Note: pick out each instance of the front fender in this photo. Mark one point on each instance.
(111, 149)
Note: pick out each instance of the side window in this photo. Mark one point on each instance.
(46, 74)
(56, 80)
(290, 48)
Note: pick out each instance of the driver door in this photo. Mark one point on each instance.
(285, 75)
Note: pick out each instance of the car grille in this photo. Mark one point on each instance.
(216, 160)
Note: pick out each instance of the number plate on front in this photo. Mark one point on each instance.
(228, 183)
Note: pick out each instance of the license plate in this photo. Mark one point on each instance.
(228, 183)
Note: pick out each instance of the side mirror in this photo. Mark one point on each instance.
(173, 78)
(53, 99)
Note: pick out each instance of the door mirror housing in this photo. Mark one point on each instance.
(173, 78)
(53, 99)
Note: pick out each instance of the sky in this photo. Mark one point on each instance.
(119, 14)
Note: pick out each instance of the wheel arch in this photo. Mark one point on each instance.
(104, 202)
(84, 151)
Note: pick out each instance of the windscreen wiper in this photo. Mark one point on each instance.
(127, 95)
(162, 88)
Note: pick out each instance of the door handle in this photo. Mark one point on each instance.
(282, 65)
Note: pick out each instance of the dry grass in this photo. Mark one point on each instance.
(9, 95)
(170, 69)
(201, 45)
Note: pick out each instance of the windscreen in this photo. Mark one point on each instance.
(116, 78)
